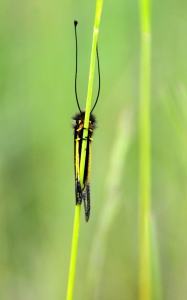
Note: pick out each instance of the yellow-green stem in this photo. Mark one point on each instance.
(73, 252)
(145, 156)
(90, 87)
(99, 4)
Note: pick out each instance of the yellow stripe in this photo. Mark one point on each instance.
(89, 160)
(77, 161)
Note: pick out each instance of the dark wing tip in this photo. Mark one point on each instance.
(87, 216)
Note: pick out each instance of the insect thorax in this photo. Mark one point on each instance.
(78, 122)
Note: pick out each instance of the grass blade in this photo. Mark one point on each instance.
(145, 155)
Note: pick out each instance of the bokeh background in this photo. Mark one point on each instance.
(37, 65)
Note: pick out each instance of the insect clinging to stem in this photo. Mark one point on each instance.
(82, 193)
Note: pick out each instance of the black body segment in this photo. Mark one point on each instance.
(83, 194)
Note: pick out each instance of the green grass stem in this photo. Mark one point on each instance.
(145, 155)
(99, 4)
(70, 288)
(73, 252)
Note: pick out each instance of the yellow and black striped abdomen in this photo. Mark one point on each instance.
(84, 192)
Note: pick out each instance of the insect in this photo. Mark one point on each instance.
(83, 193)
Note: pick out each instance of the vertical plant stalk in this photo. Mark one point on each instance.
(70, 287)
(145, 155)
(90, 87)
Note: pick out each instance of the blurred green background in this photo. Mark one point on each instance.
(37, 65)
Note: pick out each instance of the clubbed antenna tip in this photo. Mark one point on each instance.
(75, 22)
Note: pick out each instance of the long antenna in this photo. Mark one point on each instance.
(99, 77)
(75, 25)
(98, 67)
